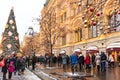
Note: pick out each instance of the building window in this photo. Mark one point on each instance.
(65, 16)
(78, 35)
(63, 40)
(114, 22)
(74, 12)
(93, 32)
(61, 18)
(79, 9)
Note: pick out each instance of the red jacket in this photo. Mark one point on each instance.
(87, 59)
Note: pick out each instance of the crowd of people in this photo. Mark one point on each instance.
(77, 62)
(16, 65)
(80, 62)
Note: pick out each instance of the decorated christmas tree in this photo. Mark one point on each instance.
(10, 39)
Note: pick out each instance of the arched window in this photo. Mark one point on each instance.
(64, 40)
(78, 35)
(114, 22)
(93, 31)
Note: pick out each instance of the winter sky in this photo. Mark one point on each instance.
(24, 10)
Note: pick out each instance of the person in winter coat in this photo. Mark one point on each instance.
(87, 61)
(74, 62)
(103, 61)
(98, 61)
(33, 62)
(81, 61)
(64, 62)
(93, 60)
(111, 60)
(5, 68)
(19, 65)
(11, 69)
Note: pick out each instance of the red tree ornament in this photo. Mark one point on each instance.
(83, 17)
(119, 12)
(94, 23)
(98, 13)
(91, 9)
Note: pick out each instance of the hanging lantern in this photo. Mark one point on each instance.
(11, 21)
(94, 23)
(9, 46)
(91, 9)
(10, 33)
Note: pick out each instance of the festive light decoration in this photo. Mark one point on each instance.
(79, 4)
(16, 38)
(9, 46)
(98, 13)
(119, 12)
(91, 9)
(3, 39)
(6, 26)
(83, 17)
(11, 21)
(108, 27)
(94, 23)
(85, 26)
(13, 27)
(85, 21)
(10, 33)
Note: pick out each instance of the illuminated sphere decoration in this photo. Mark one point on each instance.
(10, 33)
(13, 27)
(119, 12)
(98, 13)
(91, 9)
(83, 17)
(11, 21)
(85, 21)
(9, 46)
(94, 23)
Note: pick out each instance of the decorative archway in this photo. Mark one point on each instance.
(113, 47)
(92, 49)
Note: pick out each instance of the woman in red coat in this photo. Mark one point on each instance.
(87, 61)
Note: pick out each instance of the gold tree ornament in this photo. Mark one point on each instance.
(10, 33)
(19, 55)
(3, 39)
(16, 38)
(6, 26)
(11, 21)
(13, 27)
(9, 46)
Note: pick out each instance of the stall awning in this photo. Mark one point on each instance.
(92, 49)
(113, 47)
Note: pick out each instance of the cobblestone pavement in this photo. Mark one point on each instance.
(28, 75)
(55, 73)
